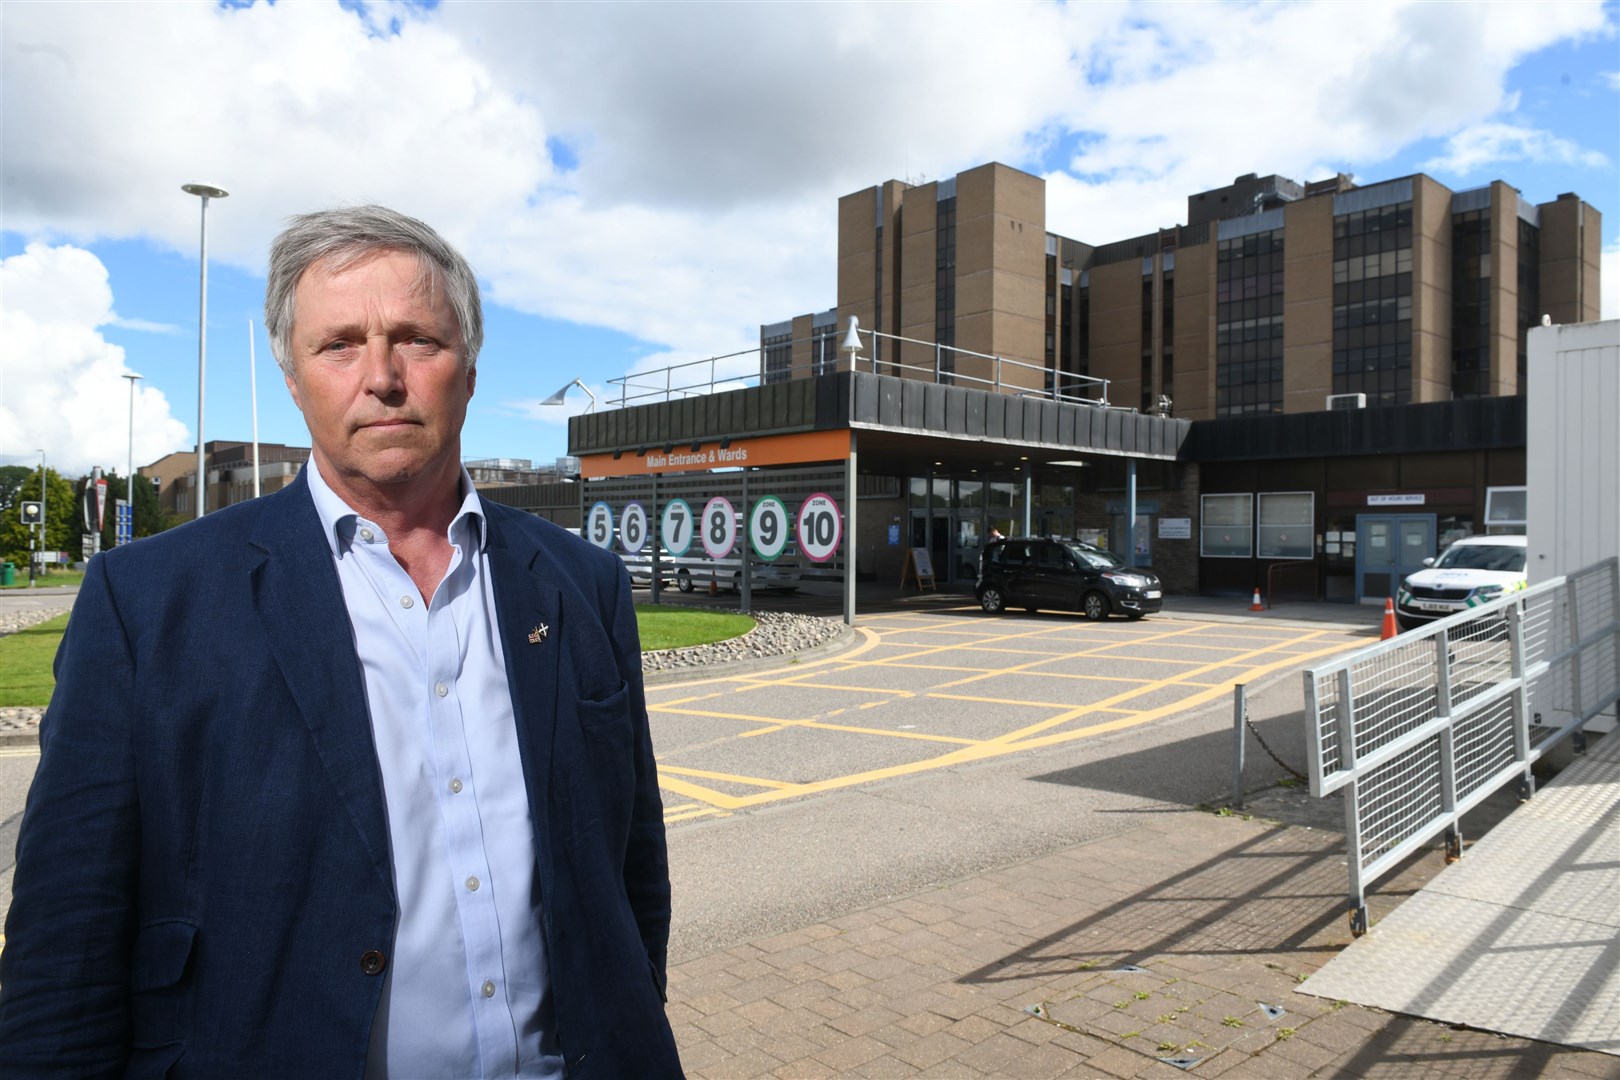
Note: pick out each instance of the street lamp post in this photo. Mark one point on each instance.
(205, 192)
(130, 461)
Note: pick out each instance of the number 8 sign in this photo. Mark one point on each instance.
(820, 527)
(719, 528)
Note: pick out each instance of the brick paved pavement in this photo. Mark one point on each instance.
(1168, 949)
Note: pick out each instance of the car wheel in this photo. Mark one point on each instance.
(736, 582)
(1095, 605)
(683, 581)
(992, 601)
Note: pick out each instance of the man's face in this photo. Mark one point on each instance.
(377, 373)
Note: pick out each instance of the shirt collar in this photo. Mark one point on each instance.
(339, 520)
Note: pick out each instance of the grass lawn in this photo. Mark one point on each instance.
(665, 627)
(55, 577)
(25, 657)
(25, 663)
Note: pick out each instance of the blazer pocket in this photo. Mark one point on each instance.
(158, 968)
(595, 712)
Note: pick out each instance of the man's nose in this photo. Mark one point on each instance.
(385, 373)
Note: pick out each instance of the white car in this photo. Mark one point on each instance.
(1472, 571)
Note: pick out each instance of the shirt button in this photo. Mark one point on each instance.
(455, 786)
(367, 535)
(488, 988)
(440, 689)
(372, 962)
(406, 601)
(472, 884)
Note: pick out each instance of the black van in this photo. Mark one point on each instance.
(1035, 572)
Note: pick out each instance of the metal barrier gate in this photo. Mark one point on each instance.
(1419, 729)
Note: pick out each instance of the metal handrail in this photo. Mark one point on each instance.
(1068, 387)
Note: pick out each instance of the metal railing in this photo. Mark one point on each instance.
(1418, 730)
(694, 378)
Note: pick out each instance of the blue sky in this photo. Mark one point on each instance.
(641, 184)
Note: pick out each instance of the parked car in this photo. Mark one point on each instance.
(687, 573)
(1472, 571)
(1036, 572)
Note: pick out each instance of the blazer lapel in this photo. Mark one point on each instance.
(528, 611)
(300, 604)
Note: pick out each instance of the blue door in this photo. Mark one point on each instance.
(1389, 547)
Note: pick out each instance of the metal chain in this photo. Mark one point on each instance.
(1257, 738)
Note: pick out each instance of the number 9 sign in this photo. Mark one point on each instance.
(599, 526)
(768, 527)
(820, 527)
(633, 528)
(719, 527)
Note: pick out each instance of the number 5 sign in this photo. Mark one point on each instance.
(820, 527)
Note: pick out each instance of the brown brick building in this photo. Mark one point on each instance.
(1402, 301)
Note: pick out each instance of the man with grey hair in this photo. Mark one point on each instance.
(354, 779)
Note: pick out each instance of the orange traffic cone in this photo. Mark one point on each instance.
(1390, 629)
(1257, 605)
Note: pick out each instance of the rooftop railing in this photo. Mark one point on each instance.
(1000, 374)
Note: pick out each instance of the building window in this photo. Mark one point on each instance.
(1167, 337)
(1372, 304)
(778, 358)
(1226, 524)
(1285, 524)
(1147, 344)
(945, 283)
(1471, 304)
(1529, 291)
(1506, 510)
(1249, 324)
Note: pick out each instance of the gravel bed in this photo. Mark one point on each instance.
(777, 634)
(13, 621)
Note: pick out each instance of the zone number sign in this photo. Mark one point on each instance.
(820, 527)
(677, 526)
(719, 527)
(599, 526)
(768, 528)
(633, 528)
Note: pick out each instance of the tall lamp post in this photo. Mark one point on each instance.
(205, 192)
(130, 461)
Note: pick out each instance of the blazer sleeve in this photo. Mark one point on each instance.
(646, 865)
(65, 970)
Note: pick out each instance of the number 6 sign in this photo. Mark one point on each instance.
(820, 527)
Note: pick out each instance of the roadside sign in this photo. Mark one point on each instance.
(768, 528)
(599, 526)
(633, 528)
(820, 527)
(677, 526)
(719, 527)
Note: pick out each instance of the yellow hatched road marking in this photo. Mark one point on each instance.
(707, 811)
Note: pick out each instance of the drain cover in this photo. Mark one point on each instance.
(1272, 1012)
(1182, 1062)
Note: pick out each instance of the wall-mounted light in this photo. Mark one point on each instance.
(617, 454)
(696, 444)
(669, 448)
(725, 442)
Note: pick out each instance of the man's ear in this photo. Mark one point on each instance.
(292, 388)
(472, 379)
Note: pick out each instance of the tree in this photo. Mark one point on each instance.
(62, 525)
(11, 478)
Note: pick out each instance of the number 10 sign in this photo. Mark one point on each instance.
(820, 527)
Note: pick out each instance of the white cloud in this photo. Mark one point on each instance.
(61, 385)
(707, 144)
(1481, 145)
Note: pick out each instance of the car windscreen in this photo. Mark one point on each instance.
(1503, 557)
(1095, 558)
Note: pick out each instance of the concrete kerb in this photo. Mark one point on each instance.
(843, 637)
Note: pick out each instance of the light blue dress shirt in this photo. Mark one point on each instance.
(466, 991)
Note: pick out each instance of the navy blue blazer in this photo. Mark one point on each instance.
(203, 885)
